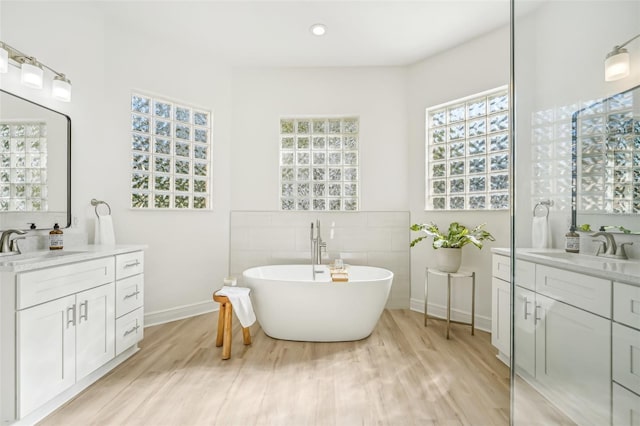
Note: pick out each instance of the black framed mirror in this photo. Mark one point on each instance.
(605, 146)
(35, 164)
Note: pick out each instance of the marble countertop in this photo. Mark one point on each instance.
(48, 258)
(627, 271)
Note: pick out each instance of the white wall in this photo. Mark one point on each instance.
(262, 95)
(187, 255)
(188, 252)
(359, 238)
(474, 67)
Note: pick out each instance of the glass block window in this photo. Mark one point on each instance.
(170, 154)
(467, 153)
(319, 165)
(23, 166)
(608, 132)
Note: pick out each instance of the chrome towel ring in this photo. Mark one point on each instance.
(96, 204)
(541, 209)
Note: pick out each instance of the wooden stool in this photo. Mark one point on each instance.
(224, 326)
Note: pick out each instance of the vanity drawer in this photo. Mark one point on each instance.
(626, 304)
(626, 356)
(129, 294)
(129, 264)
(43, 285)
(501, 267)
(582, 291)
(129, 330)
(525, 275)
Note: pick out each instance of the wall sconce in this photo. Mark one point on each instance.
(32, 72)
(616, 64)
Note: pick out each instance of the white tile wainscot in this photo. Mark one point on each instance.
(62, 316)
(576, 329)
(360, 238)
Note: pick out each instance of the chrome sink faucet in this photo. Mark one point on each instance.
(7, 244)
(316, 247)
(608, 248)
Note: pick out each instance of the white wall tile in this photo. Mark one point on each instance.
(284, 238)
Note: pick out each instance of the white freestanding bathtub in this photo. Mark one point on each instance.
(290, 305)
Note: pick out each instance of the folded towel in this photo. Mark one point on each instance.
(239, 298)
(104, 231)
(540, 232)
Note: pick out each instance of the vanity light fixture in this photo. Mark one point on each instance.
(32, 72)
(616, 64)
(4, 59)
(318, 29)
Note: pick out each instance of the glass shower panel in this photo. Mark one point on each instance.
(563, 348)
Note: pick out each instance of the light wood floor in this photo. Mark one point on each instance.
(403, 374)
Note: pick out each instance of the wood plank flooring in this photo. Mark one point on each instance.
(403, 374)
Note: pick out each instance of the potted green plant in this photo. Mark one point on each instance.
(448, 245)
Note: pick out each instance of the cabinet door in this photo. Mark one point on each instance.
(573, 360)
(45, 352)
(501, 317)
(525, 330)
(626, 407)
(95, 332)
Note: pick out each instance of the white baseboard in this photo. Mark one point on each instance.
(397, 304)
(440, 311)
(179, 312)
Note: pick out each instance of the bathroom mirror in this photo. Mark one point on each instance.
(35, 165)
(606, 161)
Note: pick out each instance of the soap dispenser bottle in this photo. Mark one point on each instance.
(572, 241)
(55, 238)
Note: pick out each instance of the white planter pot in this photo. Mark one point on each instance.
(448, 259)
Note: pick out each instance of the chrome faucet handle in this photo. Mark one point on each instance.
(610, 247)
(621, 251)
(13, 245)
(602, 247)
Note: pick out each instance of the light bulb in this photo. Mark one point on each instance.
(4, 59)
(32, 74)
(61, 88)
(318, 29)
(616, 65)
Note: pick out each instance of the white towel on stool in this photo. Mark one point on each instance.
(104, 231)
(239, 298)
(540, 232)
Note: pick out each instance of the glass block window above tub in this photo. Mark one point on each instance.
(170, 154)
(467, 153)
(319, 164)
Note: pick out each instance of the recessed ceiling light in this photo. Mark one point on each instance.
(318, 29)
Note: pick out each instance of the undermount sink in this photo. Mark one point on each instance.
(14, 259)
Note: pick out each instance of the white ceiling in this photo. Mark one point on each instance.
(270, 33)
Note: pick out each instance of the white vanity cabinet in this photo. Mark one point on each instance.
(525, 320)
(59, 325)
(62, 340)
(573, 360)
(562, 332)
(501, 300)
(501, 306)
(129, 298)
(626, 354)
